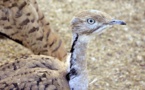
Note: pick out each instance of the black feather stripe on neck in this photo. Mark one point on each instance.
(72, 48)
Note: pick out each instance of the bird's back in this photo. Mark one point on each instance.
(22, 21)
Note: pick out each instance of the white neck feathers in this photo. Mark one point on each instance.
(78, 68)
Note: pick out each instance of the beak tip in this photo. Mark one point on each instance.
(120, 22)
(123, 23)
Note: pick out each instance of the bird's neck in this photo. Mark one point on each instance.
(78, 63)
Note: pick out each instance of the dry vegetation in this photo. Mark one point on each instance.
(116, 58)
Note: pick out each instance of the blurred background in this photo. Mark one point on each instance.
(116, 58)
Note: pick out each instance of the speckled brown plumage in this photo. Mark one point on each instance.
(22, 21)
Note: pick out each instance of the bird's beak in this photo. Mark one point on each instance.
(119, 22)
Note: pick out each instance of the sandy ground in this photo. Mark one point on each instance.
(116, 58)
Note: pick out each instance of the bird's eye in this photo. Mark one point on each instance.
(90, 21)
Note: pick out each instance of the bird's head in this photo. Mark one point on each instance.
(92, 22)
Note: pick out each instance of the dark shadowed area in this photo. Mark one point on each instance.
(116, 58)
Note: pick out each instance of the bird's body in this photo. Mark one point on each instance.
(23, 21)
(44, 72)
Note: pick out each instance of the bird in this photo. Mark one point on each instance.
(43, 72)
(23, 22)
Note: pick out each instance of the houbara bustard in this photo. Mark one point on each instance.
(39, 72)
